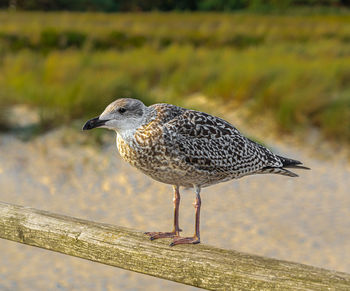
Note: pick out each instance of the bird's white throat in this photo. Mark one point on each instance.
(126, 135)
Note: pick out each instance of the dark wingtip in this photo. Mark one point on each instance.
(290, 163)
(299, 167)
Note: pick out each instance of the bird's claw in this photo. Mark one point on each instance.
(156, 235)
(185, 240)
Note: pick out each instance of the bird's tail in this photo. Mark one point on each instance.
(290, 163)
(286, 163)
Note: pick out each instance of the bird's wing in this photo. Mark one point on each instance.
(211, 143)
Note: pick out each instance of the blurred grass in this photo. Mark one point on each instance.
(70, 65)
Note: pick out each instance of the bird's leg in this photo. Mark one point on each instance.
(176, 230)
(176, 200)
(196, 237)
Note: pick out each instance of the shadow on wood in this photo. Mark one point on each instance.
(197, 265)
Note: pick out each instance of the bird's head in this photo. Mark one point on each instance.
(121, 115)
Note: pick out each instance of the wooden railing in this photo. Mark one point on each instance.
(197, 265)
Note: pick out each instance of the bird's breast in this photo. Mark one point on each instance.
(143, 150)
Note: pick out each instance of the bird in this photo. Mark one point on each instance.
(185, 148)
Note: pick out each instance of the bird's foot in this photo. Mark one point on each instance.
(185, 240)
(156, 235)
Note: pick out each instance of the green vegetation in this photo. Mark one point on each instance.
(165, 5)
(70, 65)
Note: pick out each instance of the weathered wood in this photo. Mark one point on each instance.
(198, 265)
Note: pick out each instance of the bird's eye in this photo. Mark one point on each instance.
(121, 110)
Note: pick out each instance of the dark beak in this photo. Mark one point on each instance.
(93, 123)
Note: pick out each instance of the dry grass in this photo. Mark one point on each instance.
(296, 68)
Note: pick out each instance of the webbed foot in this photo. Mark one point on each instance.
(156, 235)
(185, 240)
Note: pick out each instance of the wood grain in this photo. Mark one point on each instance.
(197, 265)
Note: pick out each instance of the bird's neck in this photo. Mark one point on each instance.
(126, 135)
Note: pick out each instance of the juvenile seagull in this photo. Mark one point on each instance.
(185, 148)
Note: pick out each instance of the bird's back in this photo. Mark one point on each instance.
(216, 149)
(187, 147)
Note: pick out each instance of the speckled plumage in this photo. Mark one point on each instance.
(186, 147)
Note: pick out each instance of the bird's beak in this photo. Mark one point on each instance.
(93, 123)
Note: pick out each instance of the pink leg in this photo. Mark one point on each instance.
(176, 230)
(196, 237)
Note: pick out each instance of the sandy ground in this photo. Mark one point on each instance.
(303, 219)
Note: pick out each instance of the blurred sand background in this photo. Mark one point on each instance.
(278, 70)
(304, 219)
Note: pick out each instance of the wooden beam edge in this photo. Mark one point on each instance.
(197, 265)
